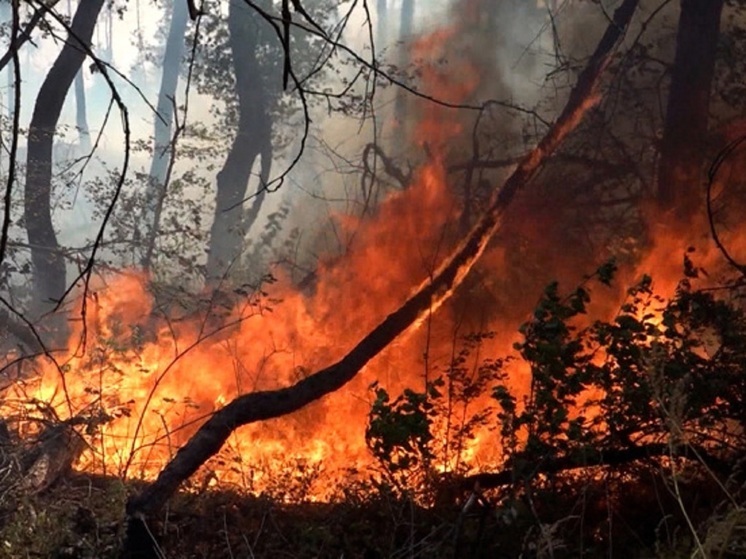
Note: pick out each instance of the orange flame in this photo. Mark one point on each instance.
(153, 382)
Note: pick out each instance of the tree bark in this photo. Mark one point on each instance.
(48, 262)
(680, 166)
(430, 294)
(50, 457)
(156, 188)
(248, 34)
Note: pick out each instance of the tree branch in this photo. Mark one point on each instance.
(611, 457)
(25, 35)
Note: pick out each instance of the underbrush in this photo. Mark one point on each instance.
(597, 513)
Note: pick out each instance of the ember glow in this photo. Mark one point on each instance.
(152, 383)
(148, 382)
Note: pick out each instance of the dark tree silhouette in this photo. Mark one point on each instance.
(48, 261)
(248, 36)
(681, 157)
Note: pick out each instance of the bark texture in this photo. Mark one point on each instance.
(48, 262)
(256, 92)
(51, 457)
(258, 406)
(682, 147)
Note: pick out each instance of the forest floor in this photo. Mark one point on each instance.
(82, 516)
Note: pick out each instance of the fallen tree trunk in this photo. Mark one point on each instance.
(594, 458)
(258, 406)
(34, 466)
(51, 457)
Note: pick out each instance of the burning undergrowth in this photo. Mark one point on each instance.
(139, 385)
(510, 375)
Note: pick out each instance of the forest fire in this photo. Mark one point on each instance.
(144, 383)
(368, 280)
(150, 382)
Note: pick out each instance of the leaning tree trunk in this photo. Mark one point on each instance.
(258, 406)
(48, 262)
(156, 187)
(248, 33)
(680, 166)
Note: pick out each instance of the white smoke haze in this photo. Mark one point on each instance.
(325, 182)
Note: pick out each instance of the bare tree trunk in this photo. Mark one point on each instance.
(381, 16)
(406, 24)
(407, 20)
(48, 262)
(248, 32)
(6, 15)
(258, 406)
(680, 167)
(81, 117)
(156, 188)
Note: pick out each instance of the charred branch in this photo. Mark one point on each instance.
(51, 457)
(389, 167)
(594, 458)
(725, 154)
